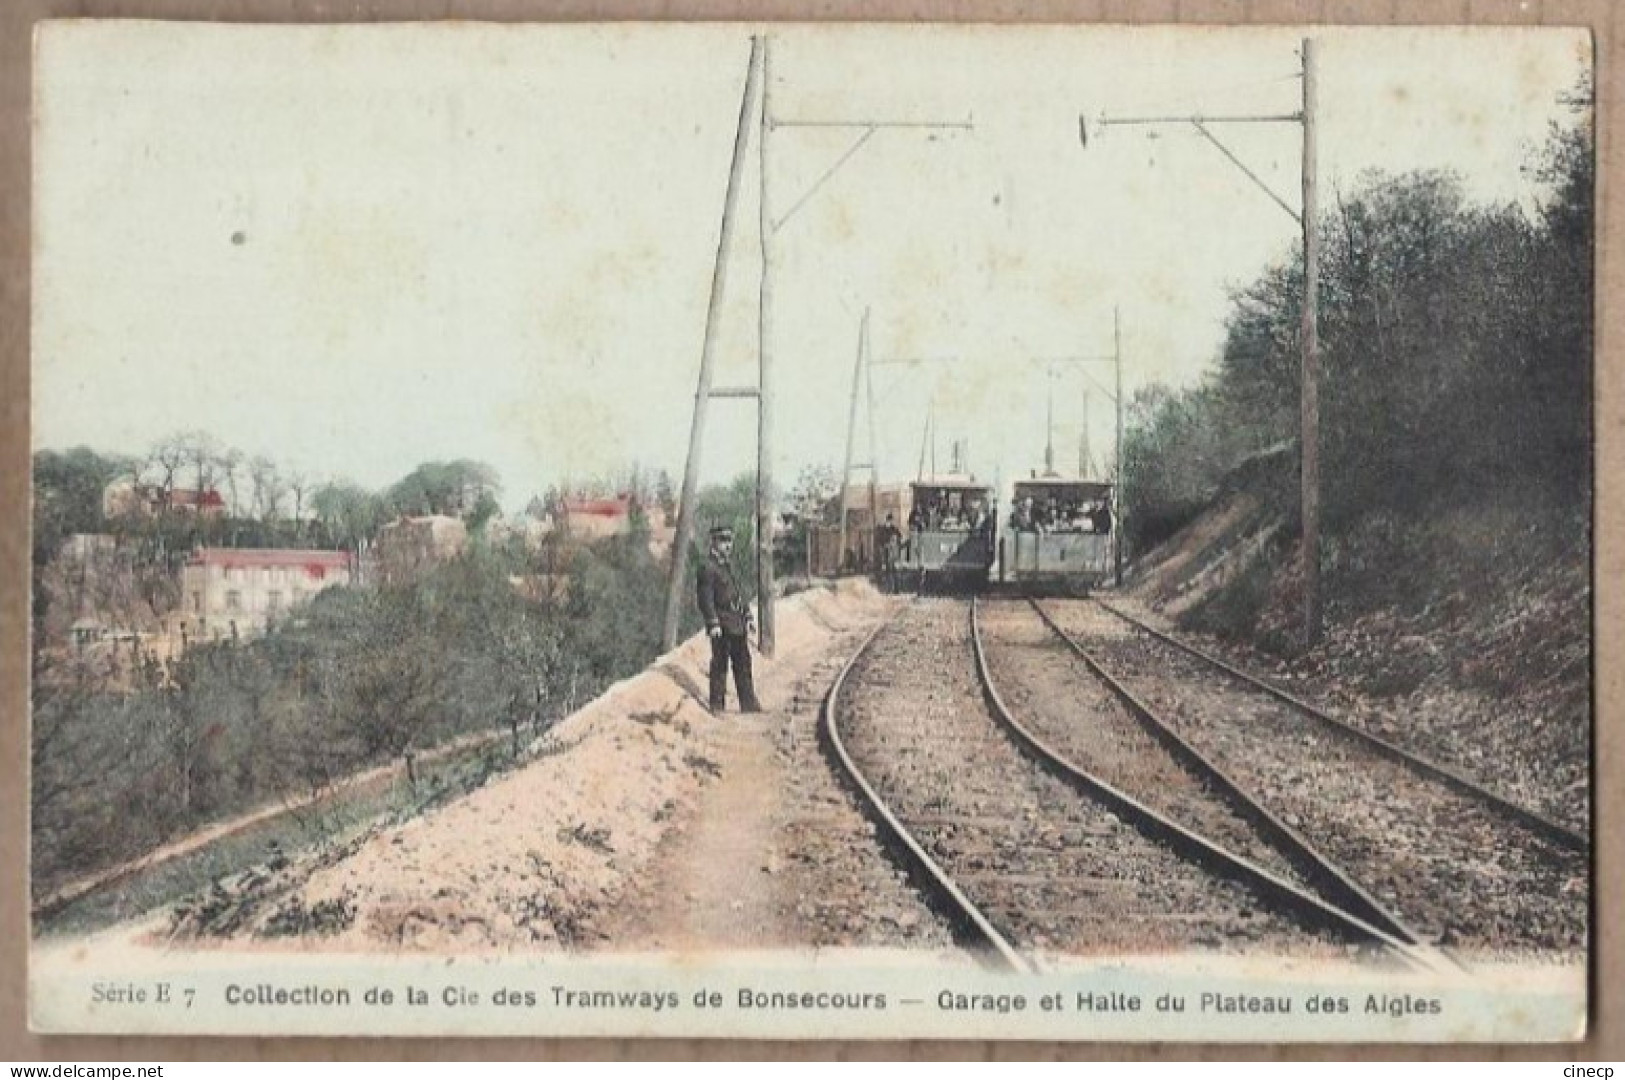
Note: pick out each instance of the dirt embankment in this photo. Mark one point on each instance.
(1463, 634)
(642, 822)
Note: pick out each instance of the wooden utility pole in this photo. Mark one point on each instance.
(863, 375)
(1085, 459)
(874, 446)
(851, 436)
(1049, 424)
(1309, 336)
(764, 412)
(702, 394)
(768, 227)
(1117, 466)
(1310, 395)
(763, 391)
(925, 441)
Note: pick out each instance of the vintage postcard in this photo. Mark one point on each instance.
(1064, 533)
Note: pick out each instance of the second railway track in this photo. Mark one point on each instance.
(1466, 874)
(1052, 870)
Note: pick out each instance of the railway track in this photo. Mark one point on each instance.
(1029, 857)
(1461, 868)
(1090, 720)
(1557, 833)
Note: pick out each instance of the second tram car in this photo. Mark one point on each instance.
(1059, 535)
(950, 533)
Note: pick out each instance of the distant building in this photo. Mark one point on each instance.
(595, 519)
(126, 498)
(586, 518)
(526, 530)
(408, 546)
(241, 591)
(896, 500)
(824, 554)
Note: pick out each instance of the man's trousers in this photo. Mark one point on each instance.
(731, 649)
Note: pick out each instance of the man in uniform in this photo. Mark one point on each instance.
(727, 622)
(887, 540)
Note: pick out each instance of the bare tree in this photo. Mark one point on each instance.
(299, 484)
(203, 455)
(269, 488)
(166, 458)
(231, 468)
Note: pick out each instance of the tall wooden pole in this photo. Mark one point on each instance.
(1049, 423)
(925, 440)
(851, 440)
(764, 402)
(702, 394)
(869, 408)
(1117, 488)
(1083, 438)
(1309, 436)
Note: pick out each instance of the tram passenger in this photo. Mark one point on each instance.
(1103, 517)
(916, 525)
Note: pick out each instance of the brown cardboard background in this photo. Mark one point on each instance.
(1607, 1032)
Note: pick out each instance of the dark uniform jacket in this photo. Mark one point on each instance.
(721, 601)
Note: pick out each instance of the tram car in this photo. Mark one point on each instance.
(1059, 536)
(951, 527)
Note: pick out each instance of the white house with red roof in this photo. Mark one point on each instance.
(125, 498)
(241, 591)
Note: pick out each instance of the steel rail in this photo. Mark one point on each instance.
(976, 933)
(1215, 858)
(1333, 882)
(1560, 835)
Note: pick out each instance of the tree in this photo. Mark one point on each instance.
(231, 466)
(299, 485)
(166, 459)
(1561, 337)
(666, 494)
(811, 502)
(349, 514)
(269, 488)
(68, 487)
(461, 489)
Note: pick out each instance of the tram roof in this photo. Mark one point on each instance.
(950, 485)
(1060, 483)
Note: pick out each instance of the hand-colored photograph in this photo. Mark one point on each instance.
(845, 531)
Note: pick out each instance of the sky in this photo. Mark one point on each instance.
(355, 249)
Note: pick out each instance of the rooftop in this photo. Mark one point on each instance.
(243, 558)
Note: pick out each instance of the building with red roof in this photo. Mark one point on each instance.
(238, 592)
(127, 498)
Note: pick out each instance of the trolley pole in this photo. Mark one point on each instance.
(1310, 398)
(702, 394)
